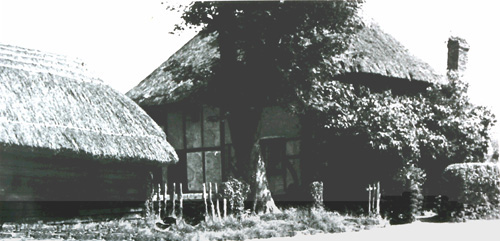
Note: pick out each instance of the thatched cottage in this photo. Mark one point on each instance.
(199, 131)
(67, 136)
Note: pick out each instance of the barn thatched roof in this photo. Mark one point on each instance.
(372, 51)
(50, 104)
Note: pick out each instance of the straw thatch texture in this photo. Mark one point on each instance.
(178, 77)
(371, 52)
(50, 104)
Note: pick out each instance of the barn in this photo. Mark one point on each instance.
(69, 140)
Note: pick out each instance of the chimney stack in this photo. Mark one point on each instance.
(457, 57)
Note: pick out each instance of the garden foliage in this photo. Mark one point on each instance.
(476, 186)
(236, 192)
(275, 52)
(439, 126)
(412, 179)
(317, 194)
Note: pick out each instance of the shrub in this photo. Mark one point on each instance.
(317, 194)
(476, 187)
(236, 192)
(412, 178)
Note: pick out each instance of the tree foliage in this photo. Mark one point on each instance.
(269, 48)
(438, 124)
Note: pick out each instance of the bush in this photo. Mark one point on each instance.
(317, 194)
(236, 192)
(412, 178)
(476, 187)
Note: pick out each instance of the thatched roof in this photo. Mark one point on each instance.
(50, 104)
(371, 51)
(164, 85)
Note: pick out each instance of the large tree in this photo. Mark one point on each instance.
(267, 51)
(412, 136)
(440, 123)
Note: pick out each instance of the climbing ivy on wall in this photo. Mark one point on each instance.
(439, 124)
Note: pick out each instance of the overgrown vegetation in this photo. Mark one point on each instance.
(276, 52)
(267, 50)
(439, 124)
(288, 223)
(236, 192)
(476, 188)
(410, 134)
(412, 178)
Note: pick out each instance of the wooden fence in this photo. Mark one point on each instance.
(374, 198)
(210, 196)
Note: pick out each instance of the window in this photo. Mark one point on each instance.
(203, 166)
(196, 135)
(175, 133)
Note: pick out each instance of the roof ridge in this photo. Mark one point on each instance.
(35, 52)
(20, 55)
(82, 76)
(3, 119)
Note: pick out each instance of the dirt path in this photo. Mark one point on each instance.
(421, 231)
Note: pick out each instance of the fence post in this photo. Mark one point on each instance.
(205, 200)
(173, 201)
(165, 194)
(374, 189)
(378, 198)
(374, 197)
(159, 200)
(217, 200)
(369, 189)
(211, 201)
(181, 200)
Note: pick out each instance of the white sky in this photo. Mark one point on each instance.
(123, 41)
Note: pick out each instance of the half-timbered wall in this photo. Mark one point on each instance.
(202, 140)
(197, 134)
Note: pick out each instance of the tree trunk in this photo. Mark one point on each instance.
(263, 200)
(250, 166)
(241, 90)
(243, 124)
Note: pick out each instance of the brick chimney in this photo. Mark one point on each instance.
(457, 57)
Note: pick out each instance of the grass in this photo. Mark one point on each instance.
(290, 222)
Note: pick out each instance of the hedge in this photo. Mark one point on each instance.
(476, 186)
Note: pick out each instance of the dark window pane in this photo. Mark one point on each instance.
(193, 128)
(292, 147)
(213, 166)
(211, 127)
(175, 135)
(194, 171)
(293, 175)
